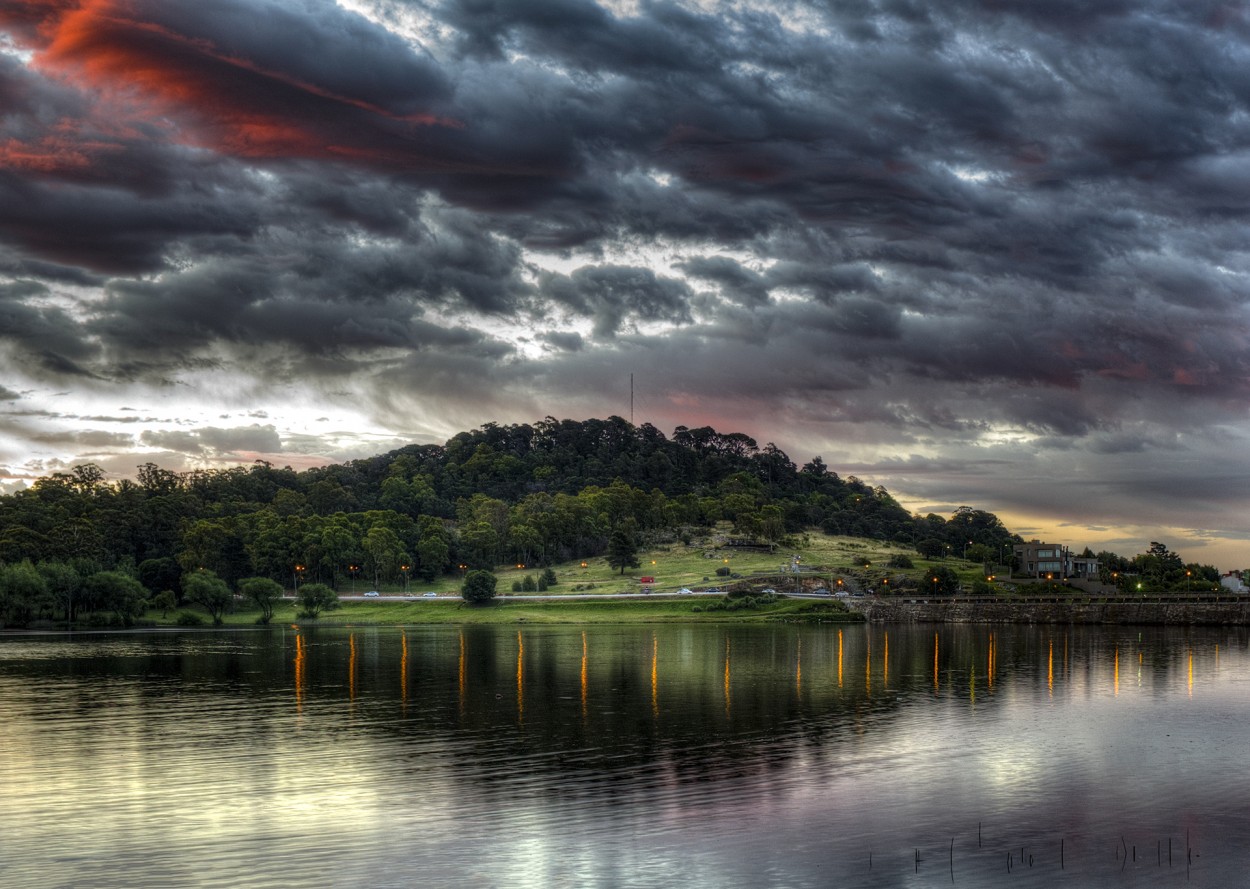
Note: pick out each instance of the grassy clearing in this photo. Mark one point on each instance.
(694, 565)
(861, 563)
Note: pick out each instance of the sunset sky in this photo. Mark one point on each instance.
(983, 252)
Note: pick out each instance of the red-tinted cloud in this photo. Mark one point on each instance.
(143, 71)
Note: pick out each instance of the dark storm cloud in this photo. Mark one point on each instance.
(902, 224)
(615, 295)
(564, 342)
(213, 440)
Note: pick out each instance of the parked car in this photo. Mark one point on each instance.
(372, 593)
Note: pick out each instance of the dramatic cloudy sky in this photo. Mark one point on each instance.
(985, 252)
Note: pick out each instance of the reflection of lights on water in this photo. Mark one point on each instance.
(798, 668)
(935, 662)
(403, 671)
(300, 666)
(1191, 672)
(839, 658)
(868, 666)
(585, 685)
(351, 668)
(989, 663)
(1050, 669)
(520, 680)
(727, 673)
(1116, 681)
(655, 676)
(885, 662)
(460, 685)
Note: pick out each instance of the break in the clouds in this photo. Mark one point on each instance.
(980, 252)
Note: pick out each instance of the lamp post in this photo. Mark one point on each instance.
(299, 571)
(1187, 581)
(404, 568)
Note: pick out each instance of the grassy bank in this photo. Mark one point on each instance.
(863, 563)
(405, 613)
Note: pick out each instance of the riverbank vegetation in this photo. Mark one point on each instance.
(597, 505)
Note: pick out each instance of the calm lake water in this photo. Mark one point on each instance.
(627, 756)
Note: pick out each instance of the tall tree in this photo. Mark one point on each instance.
(623, 548)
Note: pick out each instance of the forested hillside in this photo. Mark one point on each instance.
(538, 494)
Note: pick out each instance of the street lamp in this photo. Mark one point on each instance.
(404, 568)
(299, 571)
(1186, 581)
(935, 586)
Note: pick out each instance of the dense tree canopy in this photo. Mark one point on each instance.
(530, 494)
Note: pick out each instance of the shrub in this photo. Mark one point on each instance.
(549, 576)
(722, 571)
(528, 585)
(900, 560)
(479, 587)
(516, 586)
(188, 619)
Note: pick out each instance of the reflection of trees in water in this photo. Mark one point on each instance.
(684, 703)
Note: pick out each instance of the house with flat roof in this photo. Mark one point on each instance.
(1052, 561)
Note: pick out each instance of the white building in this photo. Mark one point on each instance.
(1234, 582)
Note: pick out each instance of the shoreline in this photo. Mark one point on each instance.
(1157, 611)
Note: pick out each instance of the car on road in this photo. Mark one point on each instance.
(768, 591)
(372, 593)
(428, 595)
(684, 591)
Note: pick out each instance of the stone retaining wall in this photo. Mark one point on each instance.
(915, 610)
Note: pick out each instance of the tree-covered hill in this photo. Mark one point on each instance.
(541, 493)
